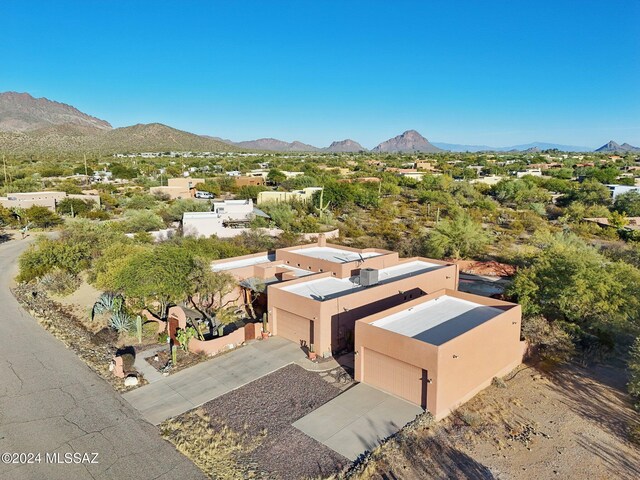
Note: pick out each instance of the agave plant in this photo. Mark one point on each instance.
(121, 322)
(107, 302)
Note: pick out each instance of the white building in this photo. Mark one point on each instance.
(227, 219)
(620, 189)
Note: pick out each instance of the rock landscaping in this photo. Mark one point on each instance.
(258, 418)
(95, 349)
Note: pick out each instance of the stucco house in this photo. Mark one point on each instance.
(228, 218)
(179, 187)
(408, 329)
(49, 199)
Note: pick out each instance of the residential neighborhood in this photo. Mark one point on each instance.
(319, 240)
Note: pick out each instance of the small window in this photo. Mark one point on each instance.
(298, 264)
(321, 270)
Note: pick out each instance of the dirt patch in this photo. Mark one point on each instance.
(571, 423)
(184, 360)
(96, 350)
(258, 417)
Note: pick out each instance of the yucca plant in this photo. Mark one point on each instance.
(107, 302)
(121, 322)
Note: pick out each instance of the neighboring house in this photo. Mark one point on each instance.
(428, 165)
(49, 200)
(246, 181)
(303, 195)
(179, 187)
(411, 332)
(488, 180)
(533, 172)
(227, 219)
(292, 174)
(620, 189)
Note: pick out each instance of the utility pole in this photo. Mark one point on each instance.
(86, 171)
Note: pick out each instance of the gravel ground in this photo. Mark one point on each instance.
(570, 423)
(265, 410)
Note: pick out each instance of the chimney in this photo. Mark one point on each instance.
(322, 240)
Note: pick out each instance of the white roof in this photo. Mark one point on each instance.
(244, 262)
(331, 287)
(439, 320)
(332, 254)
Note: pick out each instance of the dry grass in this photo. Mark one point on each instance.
(214, 451)
(570, 423)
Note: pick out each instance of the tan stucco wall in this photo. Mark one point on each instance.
(341, 270)
(344, 311)
(486, 351)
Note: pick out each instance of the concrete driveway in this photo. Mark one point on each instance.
(357, 420)
(50, 401)
(189, 388)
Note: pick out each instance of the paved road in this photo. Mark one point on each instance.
(357, 420)
(50, 401)
(189, 388)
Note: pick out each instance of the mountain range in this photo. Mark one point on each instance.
(613, 147)
(39, 125)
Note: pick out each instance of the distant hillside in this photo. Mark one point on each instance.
(275, 145)
(409, 141)
(454, 147)
(345, 146)
(153, 137)
(613, 147)
(20, 112)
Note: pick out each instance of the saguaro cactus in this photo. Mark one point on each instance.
(322, 208)
(139, 328)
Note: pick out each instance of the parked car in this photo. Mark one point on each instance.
(204, 195)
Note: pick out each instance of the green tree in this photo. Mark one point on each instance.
(75, 206)
(41, 217)
(570, 281)
(458, 237)
(628, 204)
(276, 176)
(153, 278)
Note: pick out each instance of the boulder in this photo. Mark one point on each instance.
(131, 381)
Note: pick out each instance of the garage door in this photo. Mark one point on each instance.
(295, 328)
(395, 377)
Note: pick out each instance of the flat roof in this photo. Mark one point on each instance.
(300, 272)
(337, 255)
(243, 262)
(330, 287)
(438, 320)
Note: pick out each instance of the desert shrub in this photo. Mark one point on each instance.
(46, 255)
(41, 217)
(634, 375)
(139, 221)
(140, 202)
(547, 340)
(458, 237)
(96, 215)
(75, 206)
(60, 282)
(472, 419)
(174, 212)
(498, 382)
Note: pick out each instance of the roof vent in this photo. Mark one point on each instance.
(368, 277)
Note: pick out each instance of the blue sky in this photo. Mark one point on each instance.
(474, 72)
